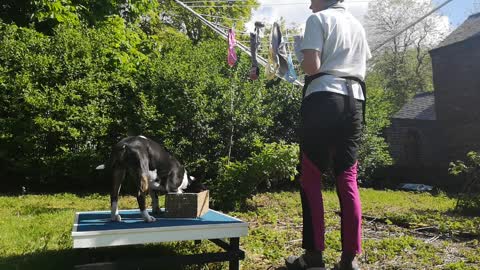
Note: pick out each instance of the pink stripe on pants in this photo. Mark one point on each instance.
(351, 209)
(349, 196)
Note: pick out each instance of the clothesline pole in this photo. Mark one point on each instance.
(242, 47)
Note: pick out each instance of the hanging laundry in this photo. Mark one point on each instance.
(254, 44)
(232, 42)
(277, 55)
(254, 70)
(291, 75)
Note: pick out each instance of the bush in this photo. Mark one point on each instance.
(239, 180)
(373, 151)
(63, 98)
(469, 199)
(66, 99)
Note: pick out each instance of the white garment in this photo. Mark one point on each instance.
(342, 42)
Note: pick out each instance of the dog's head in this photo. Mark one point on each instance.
(194, 185)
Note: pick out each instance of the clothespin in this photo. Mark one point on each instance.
(259, 25)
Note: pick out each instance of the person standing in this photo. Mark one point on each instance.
(333, 53)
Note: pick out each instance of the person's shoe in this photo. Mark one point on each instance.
(347, 263)
(308, 261)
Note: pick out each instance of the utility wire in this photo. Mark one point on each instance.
(221, 17)
(253, 6)
(411, 25)
(235, 2)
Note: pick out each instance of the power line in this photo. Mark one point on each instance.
(233, 2)
(214, 1)
(411, 25)
(221, 17)
(231, 5)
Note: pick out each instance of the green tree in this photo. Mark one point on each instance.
(221, 13)
(46, 14)
(404, 63)
(373, 152)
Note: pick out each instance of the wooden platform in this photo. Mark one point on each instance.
(94, 229)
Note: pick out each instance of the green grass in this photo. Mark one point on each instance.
(35, 231)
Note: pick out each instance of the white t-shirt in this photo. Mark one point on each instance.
(344, 49)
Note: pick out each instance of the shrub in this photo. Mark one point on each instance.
(239, 180)
(469, 200)
(373, 152)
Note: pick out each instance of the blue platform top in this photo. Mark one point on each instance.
(131, 219)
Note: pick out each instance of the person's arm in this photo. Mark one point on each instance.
(311, 61)
(312, 45)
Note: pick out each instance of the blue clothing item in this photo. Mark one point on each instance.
(291, 75)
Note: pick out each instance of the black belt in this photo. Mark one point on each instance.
(351, 99)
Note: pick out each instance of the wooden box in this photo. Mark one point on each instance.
(186, 205)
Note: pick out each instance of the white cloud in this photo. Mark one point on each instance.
(293, 12)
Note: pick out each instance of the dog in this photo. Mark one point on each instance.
(153, 169)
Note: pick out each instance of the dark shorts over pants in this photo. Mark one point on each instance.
(330, 132)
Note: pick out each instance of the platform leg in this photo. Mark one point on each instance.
(234, 246)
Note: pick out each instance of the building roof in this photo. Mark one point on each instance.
(469, 29)
(421, 107)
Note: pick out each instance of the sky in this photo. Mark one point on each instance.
(294, 11)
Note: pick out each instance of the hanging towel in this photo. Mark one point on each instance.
(232, 42)
(277, 56)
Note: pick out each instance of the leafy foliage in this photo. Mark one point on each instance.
(469, 201)
(78, 75)
(373, 152)
(223, 14)
(238, 181)
(68, 97)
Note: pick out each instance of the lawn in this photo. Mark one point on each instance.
(402, 230)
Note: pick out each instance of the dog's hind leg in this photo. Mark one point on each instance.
(142, 190)
(155, 206)
(118, 175)
(143, 210)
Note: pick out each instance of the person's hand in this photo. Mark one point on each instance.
(297, 45)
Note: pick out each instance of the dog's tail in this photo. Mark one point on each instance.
(127, 152)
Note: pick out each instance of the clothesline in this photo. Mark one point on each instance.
(225, 28)
(222, 17)
(227, 2)
(262, 61)
(396, 34)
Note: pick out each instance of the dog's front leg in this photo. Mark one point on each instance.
(155, 206)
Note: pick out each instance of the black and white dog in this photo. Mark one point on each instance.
(153, 169)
